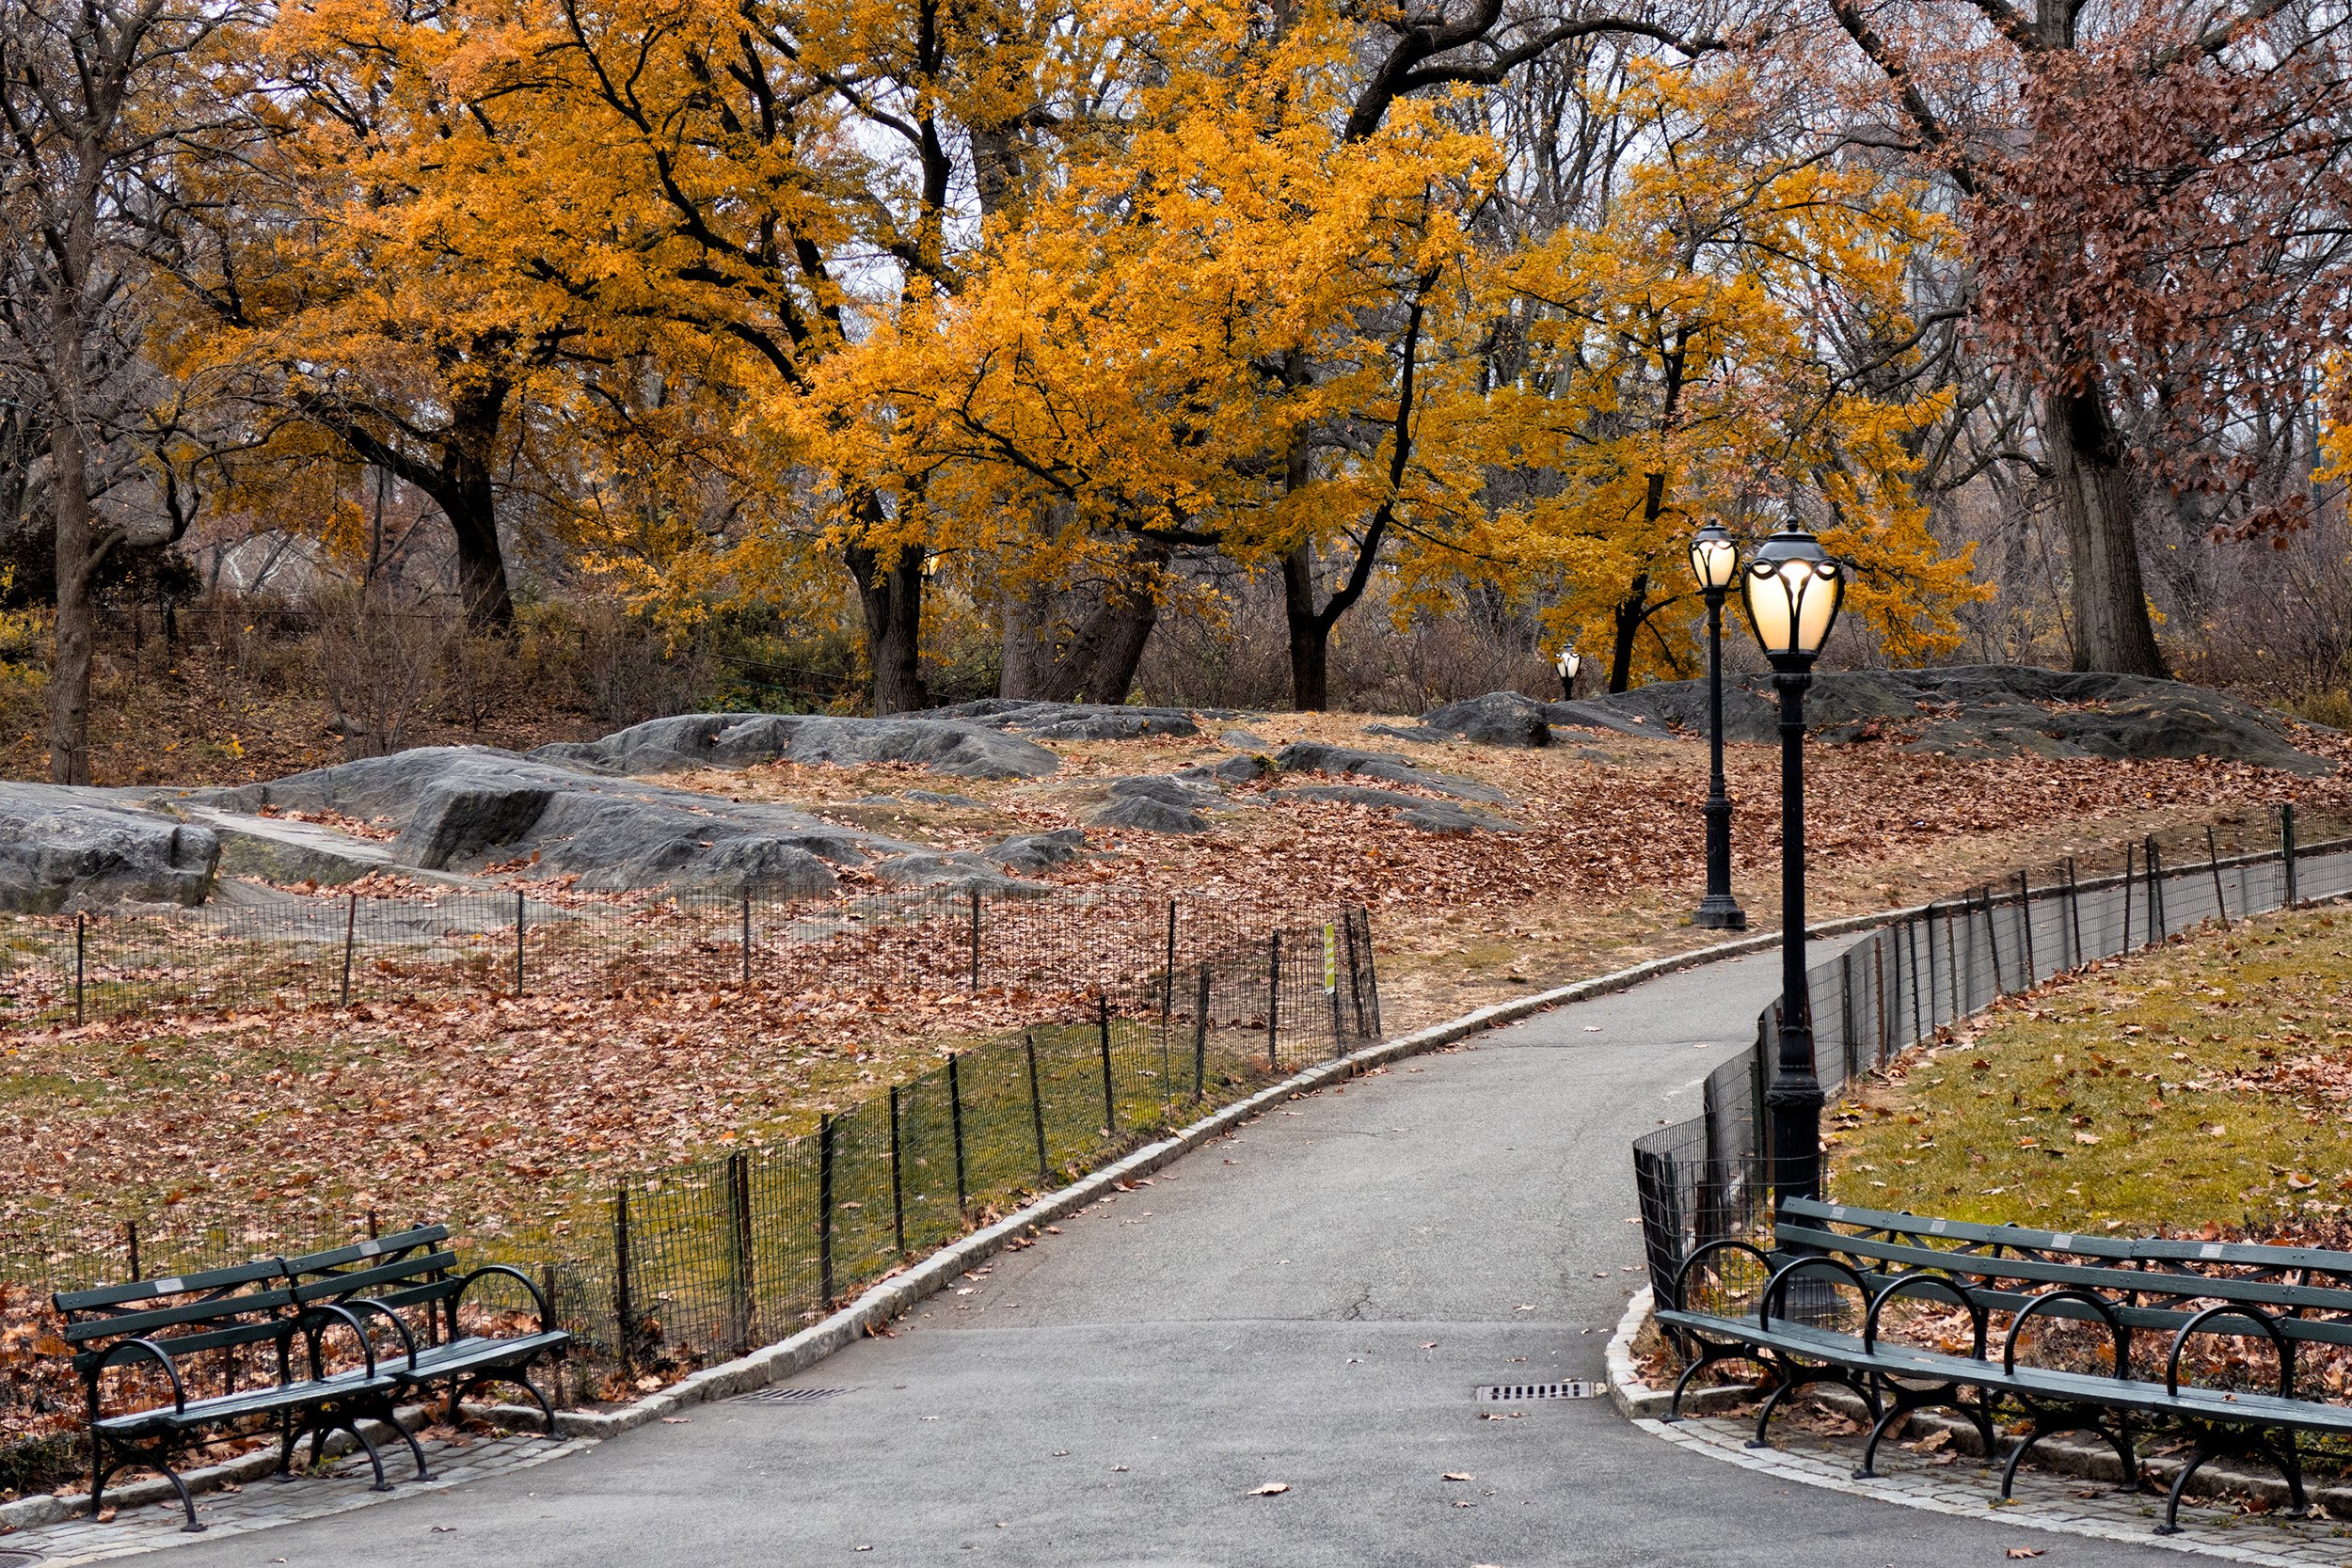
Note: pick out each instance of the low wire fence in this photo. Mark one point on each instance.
(1708, 1178)
(700, 1260)
(352, 949)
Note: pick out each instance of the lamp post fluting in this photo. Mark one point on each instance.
(1792, 590)
(1715, 561)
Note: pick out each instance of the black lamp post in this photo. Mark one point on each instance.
(1715, 561)
(1792, 590)
(1568, 664)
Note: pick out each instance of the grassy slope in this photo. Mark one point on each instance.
(2202, 1084)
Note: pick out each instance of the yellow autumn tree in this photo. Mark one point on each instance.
(1729, 338)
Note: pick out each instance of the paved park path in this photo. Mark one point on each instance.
(1311, 1302)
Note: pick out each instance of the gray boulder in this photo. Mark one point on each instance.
(1148, 814)
(738, 740)
(1421, 732)
(1435, 817)
(1034, 852)
(959, 872)
(464, 807)
(1241, 740)
(1313, 756)
(65, 846)
(1067, 721)
(1498, 719)
(1232, 770)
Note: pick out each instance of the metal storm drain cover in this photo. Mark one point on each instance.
(1519, 1393)
(19, 1559)
(776, 1396)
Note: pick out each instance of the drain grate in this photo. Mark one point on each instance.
(1518, 1393)
(776, 1396)
(19, 1559)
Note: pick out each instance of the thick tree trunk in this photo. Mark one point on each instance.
(1097, 660)
(2112, 631)
(890, 591)
(69, 669)
(1632, 612)
(1309, 633)
(472, 513)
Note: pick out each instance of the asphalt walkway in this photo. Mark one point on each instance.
(1310, 1303)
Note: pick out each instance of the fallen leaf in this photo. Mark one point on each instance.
(677, 1420)
(2023, 1551)
(1269, 1489)
(1457, 1475)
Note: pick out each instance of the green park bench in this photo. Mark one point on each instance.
(155, 1335)
(1782, 1310)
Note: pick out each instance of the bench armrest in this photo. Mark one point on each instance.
(334, 1309)
(539, 1297)
(407, 1338)
(131, 1348)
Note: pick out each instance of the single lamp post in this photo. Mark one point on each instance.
(1567, 665)
(1715, 561)
(1792, 590)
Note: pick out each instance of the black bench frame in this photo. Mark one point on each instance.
(2125, 1285)
(170, 1322)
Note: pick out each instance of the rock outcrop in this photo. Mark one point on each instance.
(1432, 816)
(1313, 756)
(62, 848)
(948, 747)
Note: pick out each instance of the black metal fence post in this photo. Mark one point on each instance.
(743, 1276)
(1355, 975)
(519, 941)
(2126, 945)
(1037, 1111)
(2073, 917)
(1847, 1042)
(2286, 852)
(2025, 928)
(2212, 864)
(81, 961)
(1992, 938)
(974, 939)
(897, 1200)
(1331, 987)
(622, 1307)
(1200, 1040)
(1878, 991)
(1372, 972)
(1934, 989)
(1102, 1040)
(2159, 922)
(747, 939)
(1911, 932)
(955, 1121)
(131, 1235)
(824, 1208)
(351, 924)
(1273, 998)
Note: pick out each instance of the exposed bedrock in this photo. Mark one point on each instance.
(950, 747)
(63, 847)
(462, 808)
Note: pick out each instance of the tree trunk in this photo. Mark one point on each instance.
(1309, 633)
(2112, 631)
(472, 513)
(890, 591)
(68, 671)
(1632, 612)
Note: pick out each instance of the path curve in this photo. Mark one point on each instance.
(1309, 1302)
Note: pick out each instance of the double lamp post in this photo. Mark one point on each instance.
(1792, 590)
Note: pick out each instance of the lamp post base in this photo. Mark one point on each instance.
(1719, 911)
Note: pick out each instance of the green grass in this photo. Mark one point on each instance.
(2204, 1084)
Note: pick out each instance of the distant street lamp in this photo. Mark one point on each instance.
(1792, 590)
(1714, 560)
(1568, 664)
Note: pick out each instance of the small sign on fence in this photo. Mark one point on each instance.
(1330, 958)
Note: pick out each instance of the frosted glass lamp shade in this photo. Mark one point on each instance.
(1792, 590)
